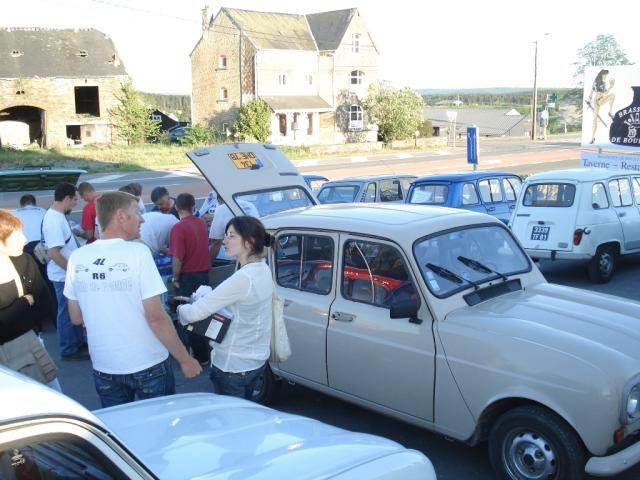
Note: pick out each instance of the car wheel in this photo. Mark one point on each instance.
(533, 443)
(602, 265)
(266, 388)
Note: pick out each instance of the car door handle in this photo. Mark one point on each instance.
(287, 303)
(343, 317)
(512, 206)
(622, 214)
(491, 209)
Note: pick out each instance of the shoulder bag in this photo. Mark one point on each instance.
(280, 346)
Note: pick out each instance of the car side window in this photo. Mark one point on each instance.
(599, 198)
(511, 187)
(636, 189)
(375, 273)
(370, 194)
(490, 190)
(305, 262)
(406, 183)
(469, 194)
(55, 456)
(620, 191)
(390, 191)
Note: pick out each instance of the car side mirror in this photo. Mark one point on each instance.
(404, 309)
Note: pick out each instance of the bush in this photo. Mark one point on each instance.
(201, 135)
(426, 129)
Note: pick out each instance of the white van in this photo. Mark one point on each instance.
(581, 213)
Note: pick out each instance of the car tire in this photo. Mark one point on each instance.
(531, 442)
(266, 390)
(602, 265)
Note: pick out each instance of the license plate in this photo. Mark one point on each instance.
(540, 233)
(244, 159)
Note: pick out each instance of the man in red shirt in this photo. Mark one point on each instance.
(189, 246)
(88, 223)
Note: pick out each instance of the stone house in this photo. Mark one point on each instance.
(60, 83)
(312, 70)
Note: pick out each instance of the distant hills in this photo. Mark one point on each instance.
(486, 91)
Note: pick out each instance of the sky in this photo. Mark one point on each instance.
(445, 45)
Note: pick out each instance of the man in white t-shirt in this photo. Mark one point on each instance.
(60, 243)
(114, 289)
(31, 218)
(221, 217)
(155, 230)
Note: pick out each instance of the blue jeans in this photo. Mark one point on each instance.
(70, 336)
(156, 381)
(239, 385)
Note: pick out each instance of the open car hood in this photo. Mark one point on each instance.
(253, 178)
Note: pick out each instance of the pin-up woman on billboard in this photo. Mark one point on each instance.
(600, 95)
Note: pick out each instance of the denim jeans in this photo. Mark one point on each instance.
(70, 336)
(155, 381)
(239, 385)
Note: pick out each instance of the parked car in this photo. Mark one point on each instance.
(175, 134)
(36, 177)
(46, 435)
(374, 188)
(437, 317)
(489, 192)
(580, 214)
(315, 181)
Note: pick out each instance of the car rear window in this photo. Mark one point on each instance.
(429, 194)
(549, 195)
(338, 193)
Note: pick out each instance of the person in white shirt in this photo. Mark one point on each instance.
(137, 191)
(208, 207)
(155, 230)
(31, 218)
(221, 218)
(239, 360)
(114, 289)
(60, 243)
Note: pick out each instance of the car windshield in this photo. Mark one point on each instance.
(549, 195)
(455, 260)
(429, 194)
(259, 204)
(338, 193)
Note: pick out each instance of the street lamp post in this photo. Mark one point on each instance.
(534, 98)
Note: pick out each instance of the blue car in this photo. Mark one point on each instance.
(489, 192)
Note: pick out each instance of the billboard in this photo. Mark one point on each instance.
(611, 108)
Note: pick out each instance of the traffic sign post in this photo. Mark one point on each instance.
(472, 146)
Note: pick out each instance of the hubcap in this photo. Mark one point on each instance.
(530, 457)
(606, 263)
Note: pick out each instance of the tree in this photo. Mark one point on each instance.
(254, 121)
(132, 117)
(604, 50)
(396, 112)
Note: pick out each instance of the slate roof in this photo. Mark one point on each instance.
(329, 27)
(490, 121)
(300, 102)
(268, 30)
(41, 52)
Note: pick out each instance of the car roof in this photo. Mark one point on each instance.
(462, 176)
(366, 178)
(23, 397)
(577, 174)
(392, 220)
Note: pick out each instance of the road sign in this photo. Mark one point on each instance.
(472, 146)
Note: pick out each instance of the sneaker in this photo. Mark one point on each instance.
(77, 356)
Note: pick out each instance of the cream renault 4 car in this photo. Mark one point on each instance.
(438, 317)
(45, 435)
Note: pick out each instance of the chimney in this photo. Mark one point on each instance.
(205, 18)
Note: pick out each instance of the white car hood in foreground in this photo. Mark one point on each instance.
(211, 436)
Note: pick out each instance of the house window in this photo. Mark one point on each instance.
(282, 124)
(355, 117)
(222, 62)
(156, 118)
(81, 53)
(223, 96)
(355, 43)
(309, 123)
(225, 128)
(309, 79)
(356, 77)
(87, 101)
(282, 79)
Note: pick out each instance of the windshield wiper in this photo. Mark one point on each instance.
(479, 267)
(449, 275)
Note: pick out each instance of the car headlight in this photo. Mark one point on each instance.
(631, 401)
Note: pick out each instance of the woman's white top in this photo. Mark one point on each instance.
(248, 294)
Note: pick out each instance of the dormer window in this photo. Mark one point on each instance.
(355, 43)
(222, 62)
(16, 53)
(82, 53)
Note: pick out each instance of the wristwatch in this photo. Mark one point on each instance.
(174, 280)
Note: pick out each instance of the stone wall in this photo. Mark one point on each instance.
(53, 101)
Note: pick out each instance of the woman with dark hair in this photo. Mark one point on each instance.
(239, 360)
(24, 302)
(600, 96)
